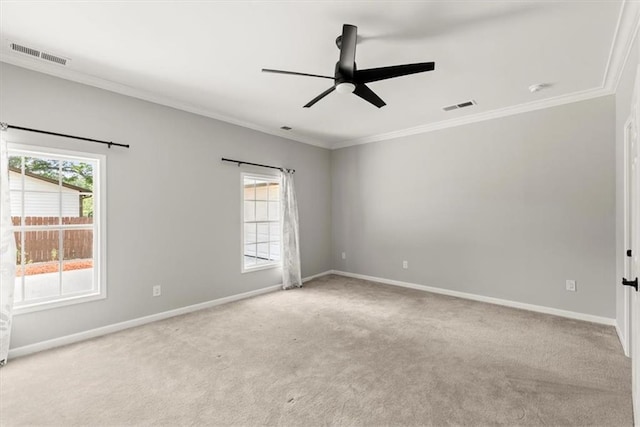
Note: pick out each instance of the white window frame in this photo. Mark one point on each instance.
(99, 224)
(272, 264)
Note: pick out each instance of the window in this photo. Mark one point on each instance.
(56, 208)
(261, 231)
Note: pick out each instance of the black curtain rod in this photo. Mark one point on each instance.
(240, 162)
(6, 126)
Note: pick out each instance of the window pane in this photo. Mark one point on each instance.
(249, 211)
(15, 173)
(249, 255)
(42, 204)
(261, 211)
(274, 191)
(71, 203)
(41, 284)
(77, 244)
(17, 295)
(41, 194)
(274, 231)
(16, 206)
(274, 248)
(78, 174)
(41, 264)
(86, 207)
(41, 246)
(77, 185)
(274, 211)
(250, 250)
(249, 190)
(250, 233)
(263, 232)
(77, 272)
(263, 251)
(43, 170)
(261, 190)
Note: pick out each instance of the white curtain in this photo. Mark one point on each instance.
(7, 256)
(291, 274)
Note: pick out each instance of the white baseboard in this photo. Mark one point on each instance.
(622, 339)
(481, 298)
(315, 276)
(92, 333)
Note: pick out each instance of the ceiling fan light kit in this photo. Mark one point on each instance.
(345, 87)
(348, 79)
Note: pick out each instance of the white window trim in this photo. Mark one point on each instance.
(100, 232)
(273, 264)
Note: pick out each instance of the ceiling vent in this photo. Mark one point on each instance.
(26, 50)
(53, 58)
(458, 106)
(38, 54)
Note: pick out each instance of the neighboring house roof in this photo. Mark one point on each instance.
(50, 180)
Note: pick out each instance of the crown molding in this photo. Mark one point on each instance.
(480, 117)
(87, 79)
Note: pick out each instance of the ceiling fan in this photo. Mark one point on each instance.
(348, 79)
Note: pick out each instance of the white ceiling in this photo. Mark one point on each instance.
(207, 57)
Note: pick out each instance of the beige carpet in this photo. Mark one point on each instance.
(339, 351)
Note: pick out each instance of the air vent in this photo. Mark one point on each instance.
(53, 58)
(25, 50)
(38, 54)
(458, 106)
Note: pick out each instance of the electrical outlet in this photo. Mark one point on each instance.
(571, 285)
(405, 264)
(157, 291)
(344, 255)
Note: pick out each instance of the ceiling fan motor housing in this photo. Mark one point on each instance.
(339, 78)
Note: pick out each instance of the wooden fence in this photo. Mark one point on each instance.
(44, 245)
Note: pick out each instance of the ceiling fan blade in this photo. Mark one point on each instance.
(368, 95)
(267, 70)
(319, 97)
(382, 73)
(347, 66)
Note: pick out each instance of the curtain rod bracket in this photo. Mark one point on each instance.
(4, 126)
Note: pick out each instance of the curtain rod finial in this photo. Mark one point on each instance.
(4, 126)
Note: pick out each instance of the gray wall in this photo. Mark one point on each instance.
(507, 208)
(623, 109)
(174, 161)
